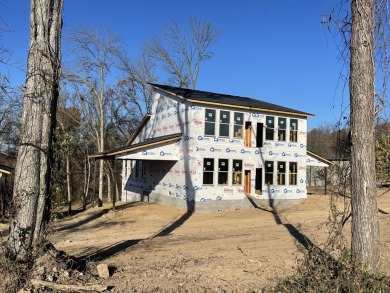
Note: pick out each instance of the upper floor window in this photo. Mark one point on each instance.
(293, 130)
(237, 172)
(209, 122)
(269, 172)
(238, 125)
(208, 171)
(281, 129)
(281, 173)
(223, 171)
(224, 123)
(270, 125)
(293, 173)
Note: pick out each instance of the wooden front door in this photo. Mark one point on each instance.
(247, 183)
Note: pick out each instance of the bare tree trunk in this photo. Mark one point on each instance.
(87, 178)
(68, 183)
(101, 176)
(31, 202)
(109, 192)
(365, 226)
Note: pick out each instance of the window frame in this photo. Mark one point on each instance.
(208, 172)
(293, 176)
(269, 128)
(211, 122)
(221, 124)
(293, 131)
(239, 127)
(281, 173)
(223, 174)
(237, 172)
(269, 172)
(282, 128)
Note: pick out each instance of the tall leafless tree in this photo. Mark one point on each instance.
(95, 58)
(31, 203)
(365, 225)
(180, 53)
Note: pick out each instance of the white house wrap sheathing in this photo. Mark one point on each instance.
(174, 172)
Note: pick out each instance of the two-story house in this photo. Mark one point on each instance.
(205, 151)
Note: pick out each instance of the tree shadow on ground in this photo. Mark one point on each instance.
(114, 249)
(173, 226)
(95, 216)
(109, 251)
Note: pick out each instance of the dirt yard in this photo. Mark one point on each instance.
(155, 248)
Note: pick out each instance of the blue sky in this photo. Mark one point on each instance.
(276, 51)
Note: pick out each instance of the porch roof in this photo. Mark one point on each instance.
(5, 169)
(316, 160)
(153, 143)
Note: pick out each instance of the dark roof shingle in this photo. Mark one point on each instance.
(228, 100)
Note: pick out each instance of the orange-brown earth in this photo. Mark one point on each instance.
(156, 248)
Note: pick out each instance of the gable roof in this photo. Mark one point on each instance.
(216, 99)
(5, 169)
(139, 128)
(153, 142)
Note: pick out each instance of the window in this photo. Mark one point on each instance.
(237, 172)
(223, 170)
(270, 125)
(208, 171)
(282, 129)
(238, 125)
(293, 166)
(269, 172)
(209, 127)
(293, 130)
(281, 173)
(224, 121)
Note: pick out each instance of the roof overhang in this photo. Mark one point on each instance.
(159, 148)
(5, 169)
(234, 106)
(316, 160)
(139, 128)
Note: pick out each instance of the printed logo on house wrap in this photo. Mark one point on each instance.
(257, 115)
(196, 188)
(279, 144)
(271, 153)
(292, 145)
(203, 138)
(200, 149)
(228, 150)
(234, 141)
(302, 145)
(212, 149)
(299, 155)
(300, 191)
(218, 197)
(146, 153)
(245, 152)
(162, 153)
(287, 191)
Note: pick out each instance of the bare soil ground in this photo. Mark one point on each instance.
(156, 248)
